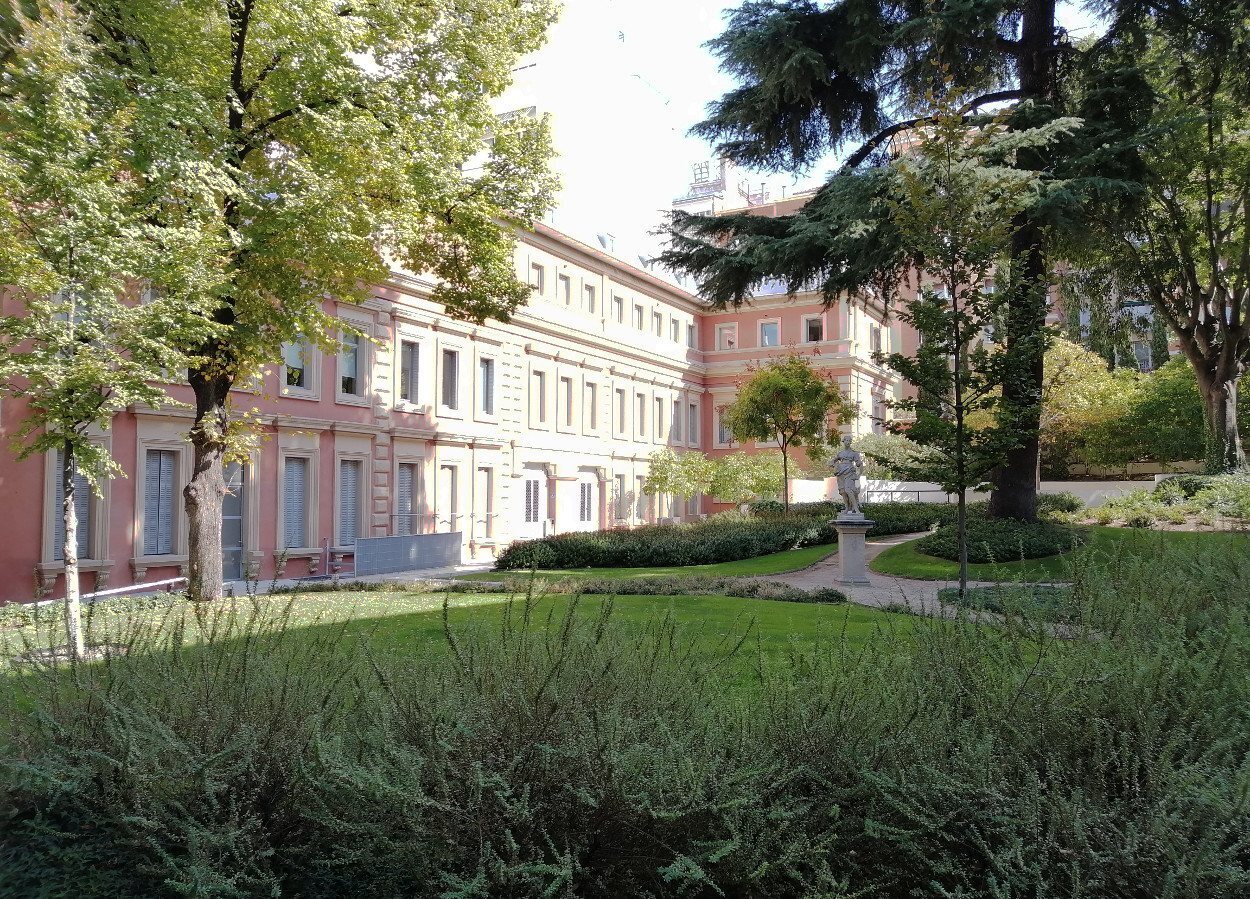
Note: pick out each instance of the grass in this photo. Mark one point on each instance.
(411, 624)
(775, 563)
(904, 561)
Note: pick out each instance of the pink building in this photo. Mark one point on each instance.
(499, 432)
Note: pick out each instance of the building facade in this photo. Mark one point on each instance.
(503, 431)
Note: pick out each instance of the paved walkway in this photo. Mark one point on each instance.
(883, 590)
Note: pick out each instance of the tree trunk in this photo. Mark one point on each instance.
(203, 495)
(69, 553)
(785, 479)
(1225, 451)
(1016, 480)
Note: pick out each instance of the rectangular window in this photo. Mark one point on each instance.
(486, 492)
(486, 386)
(692, 504)
(814, 329)
(674, 330)
(770, 333)
(540, 396)
(640, 498)
(564, 289)
(875, 338)
(657, 324)
(449, 475)
(620, 412)
(693, 419)
(82, 513)
(690, 336)
(566, 400)
(589, 292)
(409, 359)
(406, 500)
(451, 379)
(674, 427)
(591, 411)
(585, 500)
(640, 418)
(533, 500)
(349, 502)
(638, 317)
(657, 424)
(158, 503)
(618, 309)
(726, 337)
(295, 361)
(621, 499)
(349, 365)
(723, 434)
(537, 276)
(295, 503)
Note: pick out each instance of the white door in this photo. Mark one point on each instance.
(533, 507)
(588, 503)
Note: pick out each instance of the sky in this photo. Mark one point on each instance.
(623, 81)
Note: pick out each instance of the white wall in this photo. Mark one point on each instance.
(1093, 493)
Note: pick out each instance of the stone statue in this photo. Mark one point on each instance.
(847, 467)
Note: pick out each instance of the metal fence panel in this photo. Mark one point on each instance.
(415, 552)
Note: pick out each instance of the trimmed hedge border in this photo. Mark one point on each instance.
(1003, 540)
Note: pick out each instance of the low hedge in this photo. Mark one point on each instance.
(1002, 540)
(701, 543)
(680, 585)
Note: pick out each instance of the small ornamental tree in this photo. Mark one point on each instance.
(78, 232)
(741, 477)
(679, 474)
(1078, 394)
(337, 139)
(788, 402)
(957, 205)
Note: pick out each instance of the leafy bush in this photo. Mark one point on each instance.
(1181, 487)
(1002, 540)
(575, 757)
(700, 543)
(682, 585)
(1039, 601)
(1050, 503)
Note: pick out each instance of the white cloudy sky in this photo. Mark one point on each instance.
(623, 81)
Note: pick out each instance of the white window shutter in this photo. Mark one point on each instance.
(82, 511)
(295, 505)
(407, 477)
(349, 508)
(158, 502)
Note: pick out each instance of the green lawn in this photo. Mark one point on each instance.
(776, 563)
(408, 623)
(904, 561)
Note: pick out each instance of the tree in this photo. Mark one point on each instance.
(786, 401)
(78, 237)
(679, 474)
(957, 209)
(851, 76)
(331, 138)
(1078, 395)
(1188, 246)
(740, 477)
(1160, 342)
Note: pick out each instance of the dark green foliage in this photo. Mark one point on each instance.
(720, 539)
(1003, 540)
(1048, 503)
(682, 585)
(1039, 601)
(1181, 487)
(571, 757)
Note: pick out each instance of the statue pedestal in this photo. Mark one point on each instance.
(852, 530)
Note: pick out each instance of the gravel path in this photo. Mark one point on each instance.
(883, 590)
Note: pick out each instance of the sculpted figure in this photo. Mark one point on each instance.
(848, 466)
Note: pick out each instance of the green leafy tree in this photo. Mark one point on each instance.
(1078, 395)
(1155, 417)
(78, 236)
(1187, 247)
(852, 77)
(741, 477)
(333, 139)
(788, 402)
(679, 474)
(1160, 342)
(957, 209)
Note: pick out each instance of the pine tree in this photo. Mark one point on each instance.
(851, 76)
